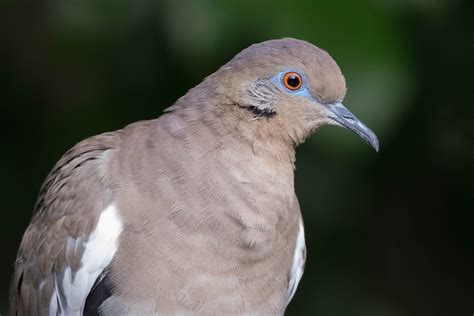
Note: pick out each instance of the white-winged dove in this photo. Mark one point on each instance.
(194, 212)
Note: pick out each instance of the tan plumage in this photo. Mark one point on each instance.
(205, 196)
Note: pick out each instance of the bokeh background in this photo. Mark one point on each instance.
(387, 234)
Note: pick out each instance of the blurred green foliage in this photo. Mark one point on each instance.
(387, 234)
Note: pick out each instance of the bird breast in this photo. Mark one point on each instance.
(226, 218)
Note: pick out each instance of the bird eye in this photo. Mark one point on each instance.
(292, 80)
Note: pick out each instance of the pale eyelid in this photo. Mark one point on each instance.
(302, 91)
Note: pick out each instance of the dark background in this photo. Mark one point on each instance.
(387, 234)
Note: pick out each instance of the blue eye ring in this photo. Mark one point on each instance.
(279, 82)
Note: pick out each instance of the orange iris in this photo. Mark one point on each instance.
(292, 80)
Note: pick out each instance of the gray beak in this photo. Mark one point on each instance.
(346, 119)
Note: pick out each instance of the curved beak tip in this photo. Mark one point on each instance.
(346, 119)
(375, 143)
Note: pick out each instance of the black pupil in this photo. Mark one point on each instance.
(293, 81)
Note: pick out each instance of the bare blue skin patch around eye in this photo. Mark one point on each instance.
(302, 91)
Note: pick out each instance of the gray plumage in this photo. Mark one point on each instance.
(208, 219)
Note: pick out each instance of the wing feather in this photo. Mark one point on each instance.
(72, 236)
(297, 268)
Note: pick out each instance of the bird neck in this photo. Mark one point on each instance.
(231, 148)
(234, 125)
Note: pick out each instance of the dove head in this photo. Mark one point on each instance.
(289, 88)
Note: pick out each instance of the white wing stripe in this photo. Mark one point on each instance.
(298, 264)
(99, 252)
